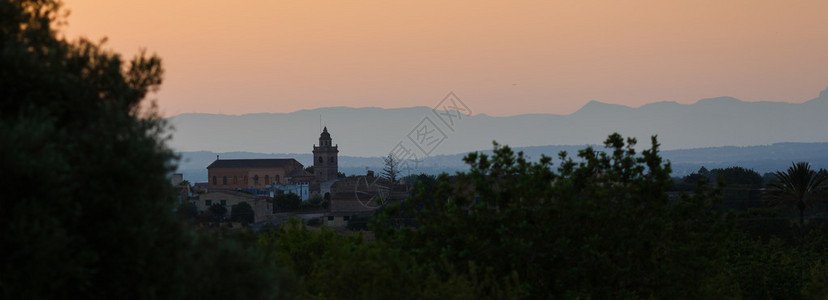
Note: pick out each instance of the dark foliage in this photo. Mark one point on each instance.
(242, 212)
(601, 227)
(286, 202)
(89, 207)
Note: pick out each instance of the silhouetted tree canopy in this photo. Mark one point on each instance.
(391, 168)
(286, 202)
(88, 204)
(601, 226)
(242, 212)
(799, 186)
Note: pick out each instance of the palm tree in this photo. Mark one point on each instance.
(799, 186)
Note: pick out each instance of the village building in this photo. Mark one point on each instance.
(262, 205)
(230, 181)
(235, 174)
(257, 181)
(360, 196)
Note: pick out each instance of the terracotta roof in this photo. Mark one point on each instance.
(252, 163)
(234, 193)
(298, 173)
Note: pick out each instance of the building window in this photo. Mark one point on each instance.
(267, 179)
(224, 180)
(223, 202)
(346, 218)
(332, 159)
(255, 179)
(330, 218)
(208, 203)
(235, 179)
(276, 179)
(215, 181)
(321, 160)
(245, 180)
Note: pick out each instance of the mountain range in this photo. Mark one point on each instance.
(371, 132)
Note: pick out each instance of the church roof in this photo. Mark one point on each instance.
(298, 173)
(325, 135)
(253, 163)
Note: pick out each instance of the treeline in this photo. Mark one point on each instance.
(604, 225)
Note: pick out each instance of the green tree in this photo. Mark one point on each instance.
(286, 202)
(242, 212)
(218, 211)
(333, 266)
(84, 172)
(601, 226)
(742, 187)
(738, 176)
(701, 175)
(391, 168)
(188, 211)
(799, 186)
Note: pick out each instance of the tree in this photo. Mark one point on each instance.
(599, 226)
(309, 169)
(701, 174)
(738, 176)
(218, 211)
(799, 186)
(741, 187)
(188, 211)
(88, 207)
(391, 168)
(242, 212)
(286, 202)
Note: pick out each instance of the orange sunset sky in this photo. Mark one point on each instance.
(500, 57)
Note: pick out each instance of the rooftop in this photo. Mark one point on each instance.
(252, 163)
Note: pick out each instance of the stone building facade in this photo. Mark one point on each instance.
(325, 160)
(232, 174)
(262, 205)
(286, 174)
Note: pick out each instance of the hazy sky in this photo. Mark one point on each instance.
(500, 57)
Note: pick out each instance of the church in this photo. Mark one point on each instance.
(261, 174)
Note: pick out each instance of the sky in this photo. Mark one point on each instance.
(499, 57)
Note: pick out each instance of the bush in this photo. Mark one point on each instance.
(286, 202)
(242, 212)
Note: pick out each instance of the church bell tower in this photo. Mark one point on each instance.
(325, 161)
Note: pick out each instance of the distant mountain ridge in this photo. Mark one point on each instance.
(712, 122)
